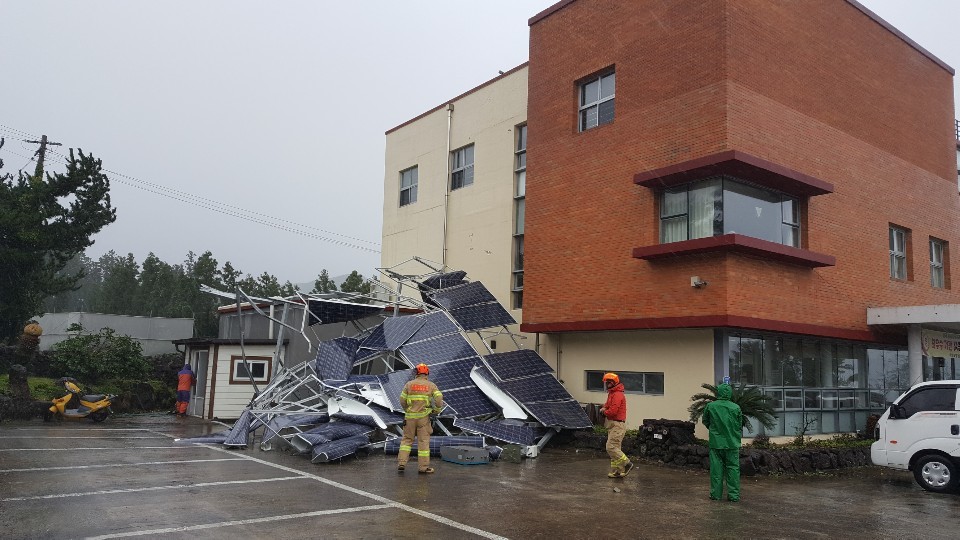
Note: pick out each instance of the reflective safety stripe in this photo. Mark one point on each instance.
(421, 453)
(417, 397)
(437, 394)
(405, 447)
(418, 414)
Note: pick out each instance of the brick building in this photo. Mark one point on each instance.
(716, 188)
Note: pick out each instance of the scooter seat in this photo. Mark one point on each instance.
(93, 397)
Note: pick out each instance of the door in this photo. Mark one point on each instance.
(198, 403)
(931, 421)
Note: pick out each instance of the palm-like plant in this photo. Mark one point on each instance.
(752, 402)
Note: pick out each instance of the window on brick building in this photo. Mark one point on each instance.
(722, 205)
(462, 167)
(408, 186)
(898, 253)
(596, 100)
(937, 274)
(520, 205)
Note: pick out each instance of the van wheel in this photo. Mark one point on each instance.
(935, 473)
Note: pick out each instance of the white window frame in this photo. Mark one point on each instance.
(235, 378)
(588, 103)
(898, 253)
(519, 205)
(937, 273)
(411, 189)
(458, 160)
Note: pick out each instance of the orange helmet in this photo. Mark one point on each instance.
(611, 377)
(422, 369)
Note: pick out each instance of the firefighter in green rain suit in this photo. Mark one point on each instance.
(725, 421)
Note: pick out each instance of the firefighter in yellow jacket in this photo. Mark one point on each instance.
(419, 398)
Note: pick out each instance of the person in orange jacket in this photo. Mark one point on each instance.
(615, 416)
(420, 397)
(186, 379)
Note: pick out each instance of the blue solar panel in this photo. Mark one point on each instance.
(564, 414)
(335, 358)
(537, 388)
(323, 453)
(334, 311)
(400, 329)
(456, 374)
(434, 324)
(468, 294)
(393, 445)
(515, 364)
(482, 316)
(393, 384)
(450, 279)
(468, 402)
(352, 380)
(438, 350)
(502, 431)
(364, 355)
(333, 431)
(376, 340)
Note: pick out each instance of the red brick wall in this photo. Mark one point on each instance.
(821, 91)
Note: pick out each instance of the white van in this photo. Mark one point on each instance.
(920, 432)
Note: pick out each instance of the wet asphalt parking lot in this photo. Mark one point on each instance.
(126, 477)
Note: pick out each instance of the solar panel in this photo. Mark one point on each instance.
(240, 431)
(351, 381)
(481, 316)
(515, 364)
(450, 279)
(565, 414)
(376, 340)
(434, 324)
(333, 311)
(393, 384)
(501, 431)
(326, 433)
(393, 445)
(468, 294)
(438, 350)
(451, 375)
(400, 329)
(469, 402)
(537, 388)
(363, 355)
(323, 453)
(335, 358)
(386, 415)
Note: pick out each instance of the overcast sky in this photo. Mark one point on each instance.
(271, 111)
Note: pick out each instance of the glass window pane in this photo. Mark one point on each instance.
(891, 370)
(772, 369)
(777, 395)
(705, 210)
(588, 118)
(828, 364)
(791, 235)
(874, 368)
(733, 358)
(828, 423)
(847, 399)
(930, 399)
(521, 183)
(751, 211)
(522, 138)
(811, 400)
(654, 383)
(522, 161)
(468, 175)
(673, 230)
(903, 366)
(830, 399)
(521, 210)
(518, 256)
(595, 380)
(792, 364)
(751, 360)
(811, 363)
(789, 211)
(608, 85)
(605, 112)
(259, 370)
(590, 92)
(632, 382)
(674, 202)
(793, 400)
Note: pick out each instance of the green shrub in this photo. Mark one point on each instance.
(96, 357)
(600, 429)
(753, 404)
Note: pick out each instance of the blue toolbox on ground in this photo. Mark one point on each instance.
(465, 455)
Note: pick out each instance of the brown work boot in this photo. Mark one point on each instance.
(627, 468)
(401, 467)
(615, 474)
(428, 470)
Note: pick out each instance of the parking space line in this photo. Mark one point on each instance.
(41, 469)
(75, 437)
(429, 515)
(97, 448)
(81, 429)
(153, 488)
(242, 522)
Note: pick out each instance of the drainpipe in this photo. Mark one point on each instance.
(559, 355)
(446, 186)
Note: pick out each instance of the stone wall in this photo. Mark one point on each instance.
(672, 442)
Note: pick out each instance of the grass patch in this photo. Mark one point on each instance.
(41, 388)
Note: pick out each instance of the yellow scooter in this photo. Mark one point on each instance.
(76, 406)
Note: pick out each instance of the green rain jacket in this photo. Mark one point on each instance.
(724, 420)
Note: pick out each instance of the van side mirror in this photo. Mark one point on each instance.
(897, 411)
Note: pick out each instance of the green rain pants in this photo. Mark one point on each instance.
(725, 462)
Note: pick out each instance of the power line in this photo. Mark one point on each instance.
(214, 205)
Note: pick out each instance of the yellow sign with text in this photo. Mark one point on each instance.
(940, 344)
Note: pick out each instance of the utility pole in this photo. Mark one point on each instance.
(41, 153)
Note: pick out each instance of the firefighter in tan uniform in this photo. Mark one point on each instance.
(419, 398)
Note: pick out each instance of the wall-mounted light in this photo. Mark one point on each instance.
(697, 283)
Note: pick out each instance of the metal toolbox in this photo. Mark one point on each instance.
(465, 455)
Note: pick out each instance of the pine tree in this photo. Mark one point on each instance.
(323, 284)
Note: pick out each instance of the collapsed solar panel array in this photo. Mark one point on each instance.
(346, 397)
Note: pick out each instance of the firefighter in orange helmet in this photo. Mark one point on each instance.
(614, 412)
(419, 398)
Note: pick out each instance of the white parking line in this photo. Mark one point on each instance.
(78, 428)
(154, 488)
(242, 522)
(389, 502)
(41, 469)
(97, 448)
(75, 437)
